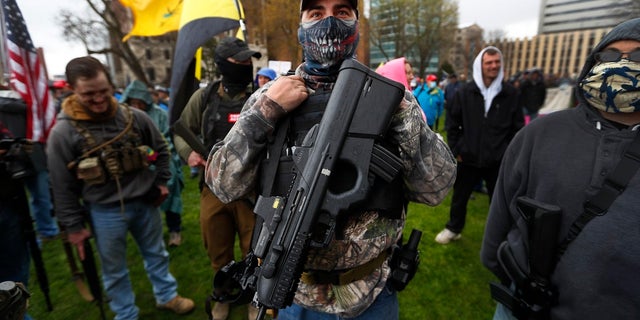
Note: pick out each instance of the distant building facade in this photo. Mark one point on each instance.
(567, 32)
(571, 15)
(468, 43)
(560, 55)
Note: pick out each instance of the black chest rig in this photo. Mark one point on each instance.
(219, 114)
(385, 197)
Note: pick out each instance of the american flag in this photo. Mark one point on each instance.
(28, 74)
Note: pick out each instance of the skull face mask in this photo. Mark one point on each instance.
(326, 43)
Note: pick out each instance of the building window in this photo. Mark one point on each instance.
(147, 53)
(151, 73)
(167, 54)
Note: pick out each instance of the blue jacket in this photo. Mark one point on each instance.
(431, 101)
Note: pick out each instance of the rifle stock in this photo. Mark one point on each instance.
(180, 129)
(357, 114)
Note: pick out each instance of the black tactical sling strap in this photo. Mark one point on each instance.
(211, 98)
(614, 184)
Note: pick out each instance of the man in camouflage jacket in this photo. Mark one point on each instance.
(429, 169)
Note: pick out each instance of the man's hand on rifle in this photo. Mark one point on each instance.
(196, 160)
(77, 239)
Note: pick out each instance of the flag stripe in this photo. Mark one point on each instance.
(27, 73)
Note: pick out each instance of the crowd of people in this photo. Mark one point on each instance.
(111, 165)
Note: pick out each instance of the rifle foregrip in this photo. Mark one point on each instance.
(280, 290)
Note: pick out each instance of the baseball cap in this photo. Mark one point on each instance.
(269, 73)
(235, 48)
(160, 88)
(59, 84)
(305, 3)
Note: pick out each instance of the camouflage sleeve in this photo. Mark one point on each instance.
(232, 165)
(429, 165)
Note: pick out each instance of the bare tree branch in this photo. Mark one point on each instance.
(101, 32)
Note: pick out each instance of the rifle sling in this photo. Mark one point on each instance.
(614, 184)
(274, 152)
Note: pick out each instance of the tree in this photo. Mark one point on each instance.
(101, 32)
(496, 35)
(282, 29)
(416, 29)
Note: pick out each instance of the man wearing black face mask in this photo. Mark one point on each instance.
(328, 35)
(210, 113)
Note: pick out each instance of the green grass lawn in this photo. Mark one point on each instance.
(450, 284)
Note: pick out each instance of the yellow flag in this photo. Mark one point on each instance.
(201, 20)
(198, 71)
(153, 17)
(199, 9)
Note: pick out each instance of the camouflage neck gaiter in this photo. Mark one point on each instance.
(613, 86)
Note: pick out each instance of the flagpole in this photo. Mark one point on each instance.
(243, 27)
(4, 67)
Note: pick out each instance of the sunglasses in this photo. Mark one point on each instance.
(613, 56)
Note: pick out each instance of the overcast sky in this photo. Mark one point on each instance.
(518, 18)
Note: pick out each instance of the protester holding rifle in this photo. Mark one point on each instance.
(348, 277)
(112, 161)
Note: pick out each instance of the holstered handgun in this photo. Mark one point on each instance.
(531, 294)
(405, 262)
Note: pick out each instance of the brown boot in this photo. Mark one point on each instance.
(178, 305)
(220, 311)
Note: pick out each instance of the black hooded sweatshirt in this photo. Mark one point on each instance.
(562, 159)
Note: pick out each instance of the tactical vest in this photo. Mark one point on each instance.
(385, 197)
(219, 114)
(112, 158)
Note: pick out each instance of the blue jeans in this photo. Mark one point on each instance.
(38, 186)
(385, 307)
(503, 313)
(110, 227)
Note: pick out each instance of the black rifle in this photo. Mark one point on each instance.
(91, 271)
(36, 254)
(358, 114)
(77, 276)
(191, 139)
(534, 294)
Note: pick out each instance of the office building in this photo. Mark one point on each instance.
(573, 15)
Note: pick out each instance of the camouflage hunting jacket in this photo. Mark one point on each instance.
(429, 170)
